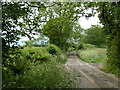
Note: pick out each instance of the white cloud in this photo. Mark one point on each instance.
(86, 23)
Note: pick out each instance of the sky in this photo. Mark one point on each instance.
(85, 24)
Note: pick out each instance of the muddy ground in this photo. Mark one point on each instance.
(87, 75)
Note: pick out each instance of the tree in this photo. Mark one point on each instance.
(95, 36)
(33, 16)
(109, 15)
(59, 30)
(10, 13)
(20, 19)
(110, 18)
(38, 42)
(77, 33)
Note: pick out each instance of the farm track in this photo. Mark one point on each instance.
(85, 75)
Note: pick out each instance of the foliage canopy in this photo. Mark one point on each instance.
(95, 36)
(59, 30)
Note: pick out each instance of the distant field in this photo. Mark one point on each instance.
(92, 55)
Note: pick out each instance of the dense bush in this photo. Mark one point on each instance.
(80, 46)
(35, 54)
(11, 60)
(53, 49)
(12, 65)
(113, 62)
(60, 55)
(46, 75)
(74, 46)
(63, 57)
(71, 49)
(23, 66)
(17, 61)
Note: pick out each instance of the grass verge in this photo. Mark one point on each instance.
(92, 55)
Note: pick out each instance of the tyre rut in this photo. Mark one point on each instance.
(89, 76)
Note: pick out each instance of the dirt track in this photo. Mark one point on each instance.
(87, 76)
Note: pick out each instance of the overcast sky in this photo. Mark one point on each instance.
(86, 23)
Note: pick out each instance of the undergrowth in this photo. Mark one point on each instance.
(35, 67)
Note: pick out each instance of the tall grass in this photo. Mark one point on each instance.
(92, 55)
